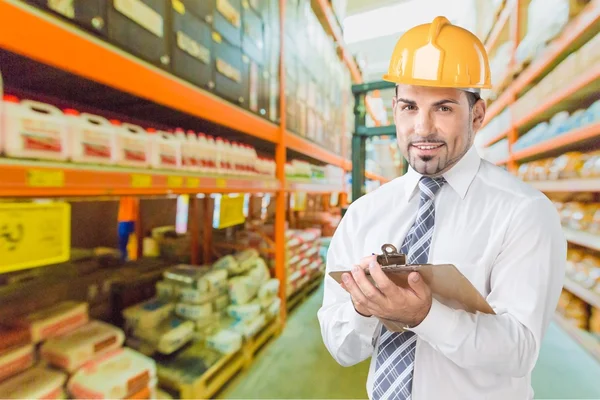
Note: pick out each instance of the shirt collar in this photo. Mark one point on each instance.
(459, 177)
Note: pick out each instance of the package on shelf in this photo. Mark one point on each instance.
(55, 320)
(249, 327)
(169, 336)
(208, 326)
(92, 138)
(583, 268)
(272, 309)
(244, 311)
(14, 336)
(72, 350)
(225, 341)
(242, 289)
(194, 312)
(594, 322)
(168, 290)
(35, 130)
(269, 289)
(35, 383)
(543, 26)
(147, 315)
(16, 360)
(133, 145)
(165, 149)
(573, 309)
(571, 165)
(580, 216)
(117, 375)
(194, 296)
(589, 53)
(187, 365)
(195, 277)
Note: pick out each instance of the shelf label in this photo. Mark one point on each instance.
(229, 211)
(193, 183)
(141, 181)
(34, 235)
(221, 183)
(175, 181)
(45, 178)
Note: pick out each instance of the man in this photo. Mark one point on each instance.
(451, 207)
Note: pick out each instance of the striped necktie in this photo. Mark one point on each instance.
(396, 353)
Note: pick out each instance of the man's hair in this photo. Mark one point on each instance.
(472, 98)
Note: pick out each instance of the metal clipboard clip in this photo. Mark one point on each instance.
(390, 256)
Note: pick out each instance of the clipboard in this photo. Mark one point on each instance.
(448, 285)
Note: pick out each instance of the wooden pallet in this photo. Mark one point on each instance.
(299, 296)
(218, 375)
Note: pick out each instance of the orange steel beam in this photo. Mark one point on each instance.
(580, 83)
(48, 40)
(53, 180)
(280, 159)
(375, 177)
(578, 135)
(497, 138)
(576, 28)
(494, 35)
(311, 149)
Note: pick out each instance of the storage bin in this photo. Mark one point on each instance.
(89, 14)
(228, 70)
(227, 20)
(139, 26)
(191, 47)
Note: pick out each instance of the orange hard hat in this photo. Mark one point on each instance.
(440, 54)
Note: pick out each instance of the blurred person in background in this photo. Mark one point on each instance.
(451, 207)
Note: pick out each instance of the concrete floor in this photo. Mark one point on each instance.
(296, 365)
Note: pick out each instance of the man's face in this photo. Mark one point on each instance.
(435, 127)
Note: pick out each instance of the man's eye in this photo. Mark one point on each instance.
(409, 107)
(445, 109)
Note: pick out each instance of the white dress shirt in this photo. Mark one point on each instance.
(503, 235)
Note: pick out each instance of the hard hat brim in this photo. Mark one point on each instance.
(437, 84)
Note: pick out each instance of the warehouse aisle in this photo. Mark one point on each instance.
(297, 366)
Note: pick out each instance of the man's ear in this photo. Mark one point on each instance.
(479, 110)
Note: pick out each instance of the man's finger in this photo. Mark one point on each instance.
(366, 261)
(385, 284)
(351, 287)
(365, 285)
(418, 285)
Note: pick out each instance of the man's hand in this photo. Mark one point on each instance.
(387, 300)
(363, 264)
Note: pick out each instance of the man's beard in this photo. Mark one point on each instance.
(435, 165)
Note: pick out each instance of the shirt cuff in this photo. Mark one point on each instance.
(438, 324)
(364, 326)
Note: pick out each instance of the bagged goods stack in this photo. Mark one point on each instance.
(302, 258)
(65, 364)
(219, 304)
(121, 374)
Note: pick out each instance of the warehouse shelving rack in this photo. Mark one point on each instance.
(578, 31)
(47, 40)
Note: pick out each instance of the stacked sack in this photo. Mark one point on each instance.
(219, 305)
(253, 296)
(303, 259)
(80, 358)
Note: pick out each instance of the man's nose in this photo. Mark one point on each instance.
(423, 123)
